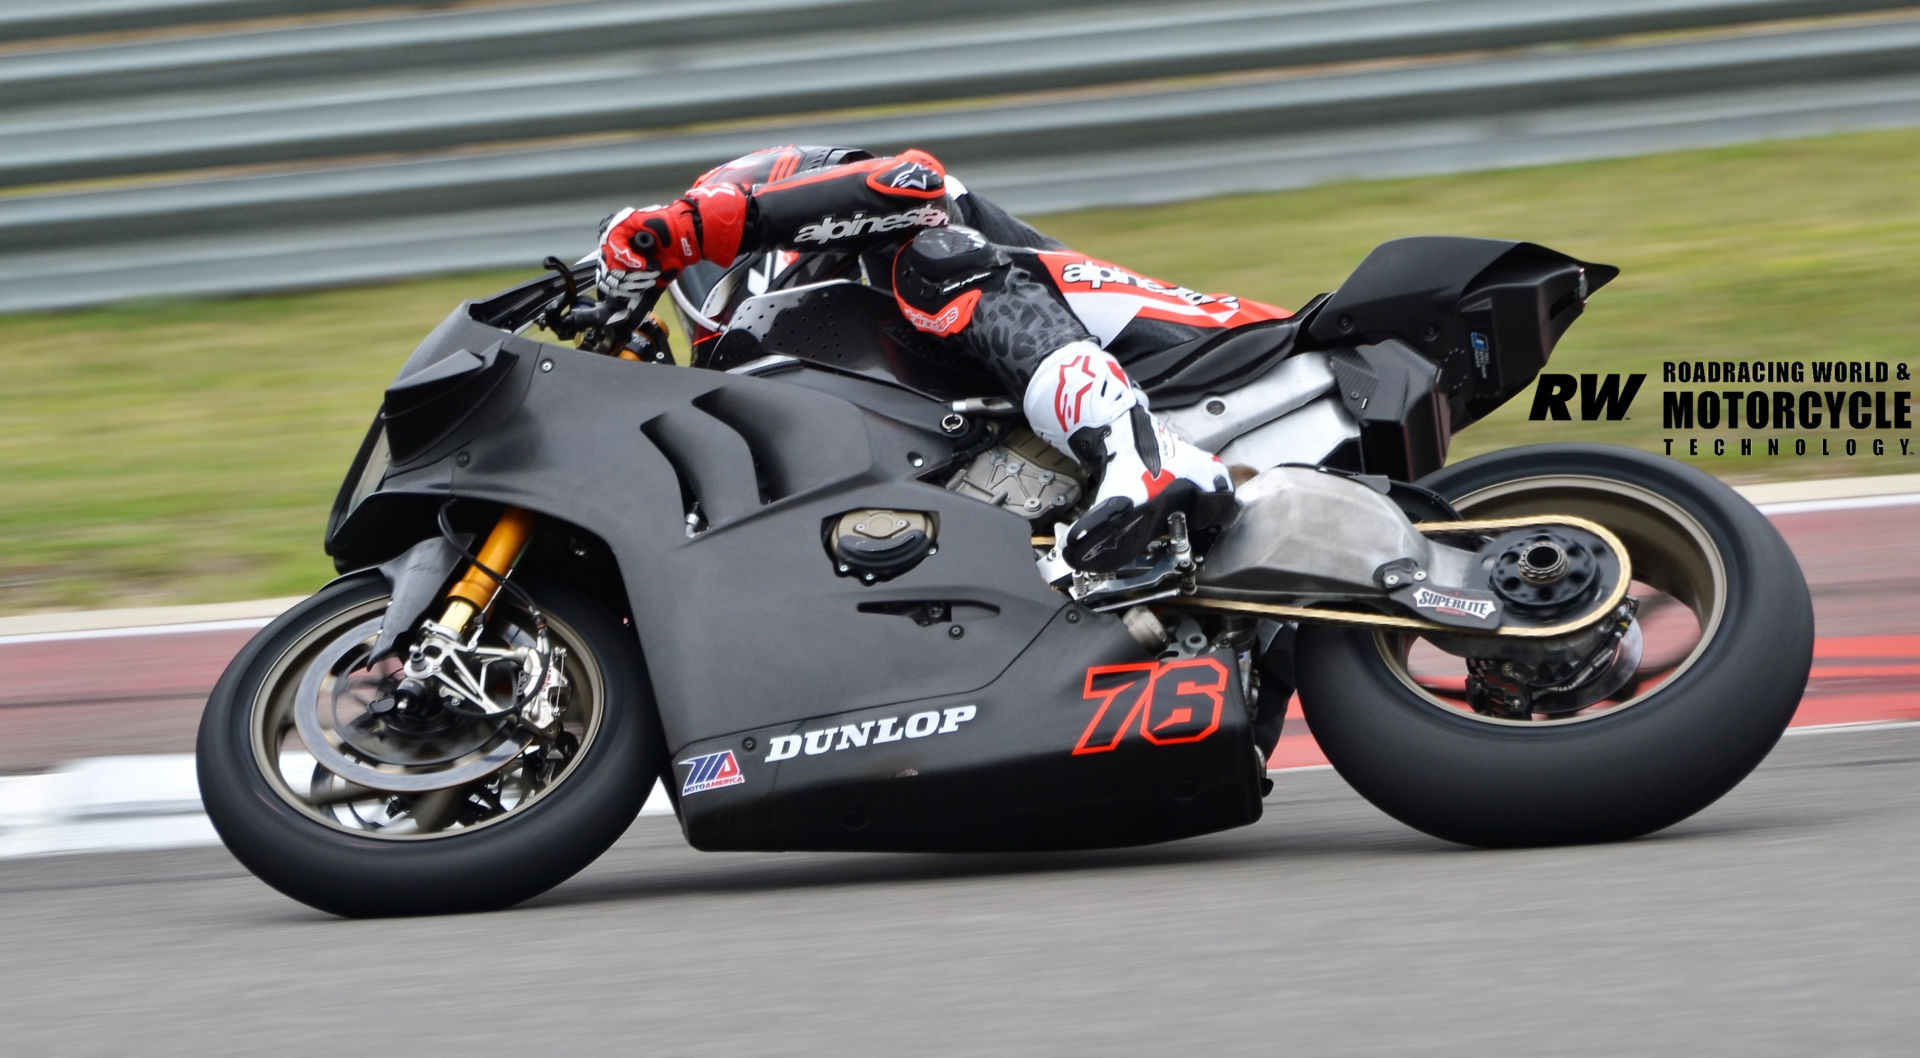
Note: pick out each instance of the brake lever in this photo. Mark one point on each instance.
(561, 314)
(571, 315)
(566, 276)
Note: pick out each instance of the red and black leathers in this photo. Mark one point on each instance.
(1049, 322)
(1007, 295)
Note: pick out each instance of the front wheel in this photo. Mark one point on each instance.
(473, 813)
(1728, 627)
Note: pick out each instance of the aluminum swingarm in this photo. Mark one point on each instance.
(1187, 592)
(1607, 604)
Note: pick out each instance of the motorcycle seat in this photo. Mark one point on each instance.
(1181, 375)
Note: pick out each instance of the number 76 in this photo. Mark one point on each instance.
(1168, 702)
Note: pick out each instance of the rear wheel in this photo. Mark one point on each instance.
(330, 793)
(1728, 641)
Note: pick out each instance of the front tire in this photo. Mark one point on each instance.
(334, 860)
(1618, 773)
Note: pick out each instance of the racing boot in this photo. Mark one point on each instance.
(1081, 401)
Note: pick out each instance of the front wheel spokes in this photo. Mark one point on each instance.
(436, 810)
(328, 790)
(432, 811)
(366, 809)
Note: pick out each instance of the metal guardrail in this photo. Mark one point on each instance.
(451, 106)
(303, 226)
(402, 42)
(22, 20)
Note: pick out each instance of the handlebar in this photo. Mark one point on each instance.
(607, 325)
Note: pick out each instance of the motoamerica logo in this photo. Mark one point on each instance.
(1600, 396)
(711, 771)
(870, 732)
(1428, 599)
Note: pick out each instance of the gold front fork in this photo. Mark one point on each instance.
(476, 590)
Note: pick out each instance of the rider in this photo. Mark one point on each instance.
(1047, 321)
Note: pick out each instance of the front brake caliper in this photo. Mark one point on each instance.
(541, 681)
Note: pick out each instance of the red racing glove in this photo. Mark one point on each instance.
(642, 248)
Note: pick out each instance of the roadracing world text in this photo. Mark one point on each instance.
(1763, 407)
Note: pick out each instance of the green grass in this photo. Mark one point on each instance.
(187, 451)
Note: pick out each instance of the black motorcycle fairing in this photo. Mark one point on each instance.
(746, 623)
(1393, 393)
(750, 634)
(1487, 311)
(975, 433)
(1053, 754)
(449, 378)
(427, 404)
(851, 328)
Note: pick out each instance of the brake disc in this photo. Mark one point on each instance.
(383, 756)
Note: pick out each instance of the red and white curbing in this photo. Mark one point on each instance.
(122, 803)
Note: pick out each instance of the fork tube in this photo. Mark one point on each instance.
(475, 590)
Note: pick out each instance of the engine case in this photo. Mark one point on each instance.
(1022, 474)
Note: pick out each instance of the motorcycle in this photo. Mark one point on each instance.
(809, 581)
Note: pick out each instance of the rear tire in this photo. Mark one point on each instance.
(522, 854)
(1615, 775)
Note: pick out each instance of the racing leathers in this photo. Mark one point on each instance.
(1047, 321)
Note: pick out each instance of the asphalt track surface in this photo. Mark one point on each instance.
(1782, 920)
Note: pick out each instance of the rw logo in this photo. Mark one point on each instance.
(1601, 396)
